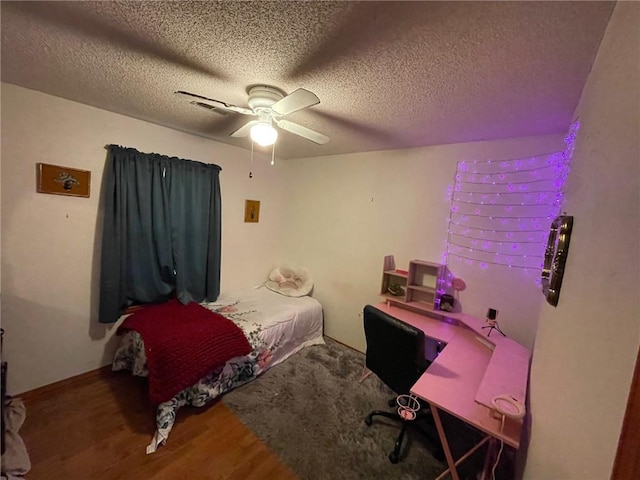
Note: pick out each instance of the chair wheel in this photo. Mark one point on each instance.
(368, 420)
(393, 457)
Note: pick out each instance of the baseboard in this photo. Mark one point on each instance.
(52, 388)
(344, 344)
(48, 390)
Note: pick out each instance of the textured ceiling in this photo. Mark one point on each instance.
(388, 74)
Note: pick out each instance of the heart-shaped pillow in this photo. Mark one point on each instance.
(292, 282)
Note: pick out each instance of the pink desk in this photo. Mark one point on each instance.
(465, 377)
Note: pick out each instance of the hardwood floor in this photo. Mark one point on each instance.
(98, 425)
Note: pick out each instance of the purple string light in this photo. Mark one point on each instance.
(491, 201)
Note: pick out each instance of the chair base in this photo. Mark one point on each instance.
(394, 456)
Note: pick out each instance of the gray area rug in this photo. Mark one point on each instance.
(310, 410)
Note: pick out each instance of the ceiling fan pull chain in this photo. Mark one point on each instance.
(251, 168)
(273, 154)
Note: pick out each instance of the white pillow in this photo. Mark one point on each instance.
(290, 282)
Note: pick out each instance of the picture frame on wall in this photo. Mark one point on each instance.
(58, 180)
(252, 211)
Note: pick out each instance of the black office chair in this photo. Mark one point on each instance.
(396, 354)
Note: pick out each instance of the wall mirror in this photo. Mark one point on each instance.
(555, 257)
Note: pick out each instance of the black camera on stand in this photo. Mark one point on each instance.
(492, 323)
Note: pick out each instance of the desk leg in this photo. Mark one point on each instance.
(447, 450)
(445, 445)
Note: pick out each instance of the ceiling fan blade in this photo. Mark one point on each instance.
(244, 130)
(295, 101)
(304, 132)
(217, 103)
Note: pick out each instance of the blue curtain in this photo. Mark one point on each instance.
(161, 234)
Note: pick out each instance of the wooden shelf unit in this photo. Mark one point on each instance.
(422, 284)
(392, 276)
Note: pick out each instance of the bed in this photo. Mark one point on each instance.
(276, 326)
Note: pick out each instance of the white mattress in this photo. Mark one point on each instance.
(294, 322)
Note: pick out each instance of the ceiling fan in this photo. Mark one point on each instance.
(269, 104)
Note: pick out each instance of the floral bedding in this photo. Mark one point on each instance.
(276, 327)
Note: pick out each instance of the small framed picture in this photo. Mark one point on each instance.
(59, 180)
(252, 211)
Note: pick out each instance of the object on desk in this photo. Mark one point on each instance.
(396, 290)
(458, 284)
(509, 406)
(447, 302)
(492, 323)
(394, 281)
(421, 286)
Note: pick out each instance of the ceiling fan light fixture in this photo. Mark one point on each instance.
(264, 134)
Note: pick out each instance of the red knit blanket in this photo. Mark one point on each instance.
(183, 343)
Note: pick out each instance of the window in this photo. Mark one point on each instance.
(161, 232)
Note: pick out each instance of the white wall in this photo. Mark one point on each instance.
(51, 244)
(349, 211)
(585, 349)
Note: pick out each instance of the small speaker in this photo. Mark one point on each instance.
(447, 302)
(492, 313)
